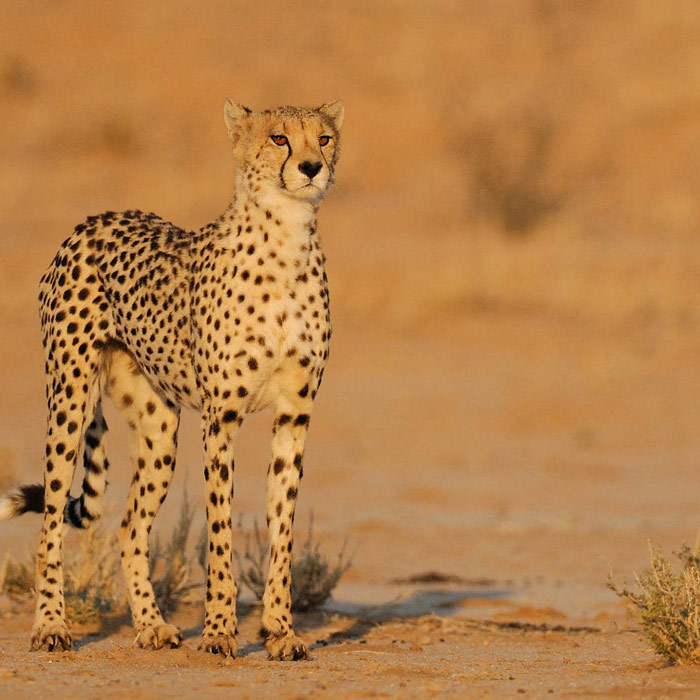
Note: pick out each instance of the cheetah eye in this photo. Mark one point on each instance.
(279, 139)
(323, 140)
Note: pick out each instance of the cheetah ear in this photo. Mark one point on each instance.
(234, 114)
(335, 111)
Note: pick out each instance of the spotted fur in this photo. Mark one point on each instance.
(227, 321)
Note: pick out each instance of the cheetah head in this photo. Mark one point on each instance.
(287, 152)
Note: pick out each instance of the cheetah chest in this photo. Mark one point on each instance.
(290, 347)
(268, 336)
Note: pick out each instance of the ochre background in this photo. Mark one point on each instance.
(513, 254)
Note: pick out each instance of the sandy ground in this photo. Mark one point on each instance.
(525, 500)
(512, 395)
(431, 656)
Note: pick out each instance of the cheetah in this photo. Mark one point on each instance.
(229, 320)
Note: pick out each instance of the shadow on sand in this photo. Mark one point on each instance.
(361, 617)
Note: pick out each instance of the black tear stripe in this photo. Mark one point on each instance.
(330, 172)
(289, 155)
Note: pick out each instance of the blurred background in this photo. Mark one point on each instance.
(512, 249)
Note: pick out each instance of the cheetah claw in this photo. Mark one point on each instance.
(54, 637)
(287, 648)
(158, 637)
(219, 644)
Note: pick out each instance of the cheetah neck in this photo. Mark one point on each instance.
(278, 228)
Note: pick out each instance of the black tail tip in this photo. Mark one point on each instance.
(28, 499)
(33, 497)
(24, 499)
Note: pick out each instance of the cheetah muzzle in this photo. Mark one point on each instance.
(228, 320)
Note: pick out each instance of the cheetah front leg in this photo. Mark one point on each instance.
(283, 476)
(220, 622)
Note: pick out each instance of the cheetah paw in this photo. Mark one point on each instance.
(287, 648)
(159, 636)
(51, 637)
(219, 644)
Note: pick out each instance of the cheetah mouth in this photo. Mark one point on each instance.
(312, 185)
(307, 188)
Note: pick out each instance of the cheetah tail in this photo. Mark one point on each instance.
(23, 499)
(30, 499)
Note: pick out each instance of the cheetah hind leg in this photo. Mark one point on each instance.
(154, 423)
(67, 423)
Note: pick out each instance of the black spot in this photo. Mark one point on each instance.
(229, 416)
(278, 466)
(55, 485)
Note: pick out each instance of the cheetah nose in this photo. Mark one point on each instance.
(310, 169)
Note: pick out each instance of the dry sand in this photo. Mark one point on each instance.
(512, 396)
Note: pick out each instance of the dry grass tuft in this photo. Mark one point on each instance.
(93, 581)
(667, 605)
(174, 584)
(313, 577)
(93, 576)
(16, 578)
